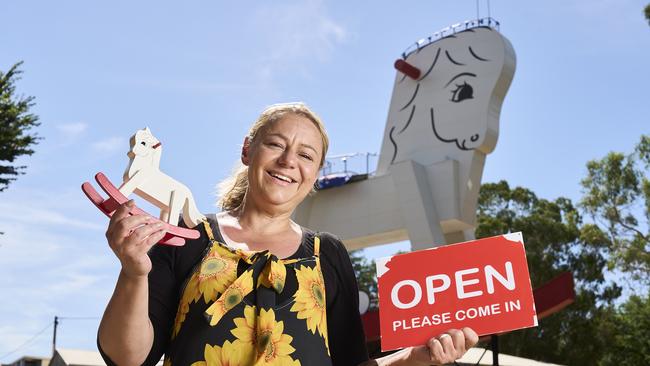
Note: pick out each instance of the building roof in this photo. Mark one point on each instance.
(475, 354)
(80, 357)
(77, 357)
(44, 360)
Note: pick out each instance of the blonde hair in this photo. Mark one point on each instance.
(232, 190)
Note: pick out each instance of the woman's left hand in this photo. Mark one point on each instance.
(444, 348)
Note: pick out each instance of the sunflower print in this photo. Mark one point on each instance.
(233, 295)
(190, 294)
(310, 300)
(216, 273)
(245, 331)
(260, 336)
(273, 346)
(267, 341)
(274, 276)
(228, 355)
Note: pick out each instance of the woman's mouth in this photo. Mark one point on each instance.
(280, 178)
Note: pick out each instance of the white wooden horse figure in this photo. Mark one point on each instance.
(442, 121)
(144, 178)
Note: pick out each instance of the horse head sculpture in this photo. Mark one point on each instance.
(453, 104)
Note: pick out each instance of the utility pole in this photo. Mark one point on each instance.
(56, 324)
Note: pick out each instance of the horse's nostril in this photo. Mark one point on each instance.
(474, 138)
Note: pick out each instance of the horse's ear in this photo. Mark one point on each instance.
(146, 129)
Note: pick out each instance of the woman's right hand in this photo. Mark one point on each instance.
(131, 236)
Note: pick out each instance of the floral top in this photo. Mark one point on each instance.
(212, 305)
(231, 317)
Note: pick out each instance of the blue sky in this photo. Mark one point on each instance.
(199, 74)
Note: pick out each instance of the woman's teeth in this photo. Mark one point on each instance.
(282, 177)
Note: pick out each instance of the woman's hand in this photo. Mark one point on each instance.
(444, 348)
(130, 237)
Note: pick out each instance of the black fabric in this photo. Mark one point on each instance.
(173, 265)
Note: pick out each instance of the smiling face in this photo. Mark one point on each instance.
(283, 162)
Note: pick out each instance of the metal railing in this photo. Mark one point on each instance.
(348, 163)
(450, 30)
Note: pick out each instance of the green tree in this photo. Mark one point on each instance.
(646, 11)
(15, 123)
(630, 328)
(591, 330)
(366, 275)
(617, 197)
(556, 241)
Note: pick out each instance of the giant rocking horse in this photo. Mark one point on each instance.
(442, 121)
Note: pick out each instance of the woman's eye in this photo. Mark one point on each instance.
(307, 156)
(462, 92)
(275, 144)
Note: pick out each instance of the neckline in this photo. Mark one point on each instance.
(216, 231)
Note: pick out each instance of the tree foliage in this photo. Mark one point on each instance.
(630, 329)
(366, 275)
(15, 123)
(617, 196)
(556, 241)
(646, 11)
(607, 230)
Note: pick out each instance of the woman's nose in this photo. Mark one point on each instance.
(287, 159)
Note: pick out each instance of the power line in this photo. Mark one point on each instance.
(27, 342)
(56, 325)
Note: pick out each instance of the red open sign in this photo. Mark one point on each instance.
(483, 284)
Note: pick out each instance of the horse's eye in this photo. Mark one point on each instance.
(143, 143)
(462, 92)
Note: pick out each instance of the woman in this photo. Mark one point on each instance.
(255, 288)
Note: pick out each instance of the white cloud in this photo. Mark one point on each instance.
(54, 260)
(289, 38)
(295, 33)
(184, 85)
(18, 338)
(44, 216)
(614, 15)
(110, 145)
(72, 130)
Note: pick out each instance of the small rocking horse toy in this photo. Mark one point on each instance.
(144, 178)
